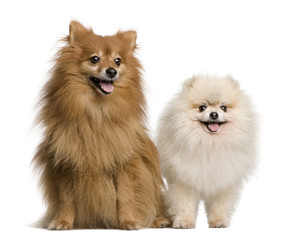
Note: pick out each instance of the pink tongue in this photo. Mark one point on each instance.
(213, 127)
(106, 86)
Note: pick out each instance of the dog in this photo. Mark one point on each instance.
(99, 168)
(207, 144)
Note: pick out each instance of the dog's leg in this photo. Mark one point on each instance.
(135, 195)
(182, 203)
(65, 215)
(220, 207)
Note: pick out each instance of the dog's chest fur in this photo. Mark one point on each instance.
(210, 172)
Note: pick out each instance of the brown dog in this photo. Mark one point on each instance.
(99, 168)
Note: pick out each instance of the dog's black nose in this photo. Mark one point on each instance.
(111, 72)
(214, 115)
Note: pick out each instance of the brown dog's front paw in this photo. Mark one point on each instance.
(160, 222)
(60, 225)
(129, 225)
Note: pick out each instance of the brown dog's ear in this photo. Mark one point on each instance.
(128, 37)
(76, 30)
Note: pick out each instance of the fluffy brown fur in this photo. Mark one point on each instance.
(99, 168)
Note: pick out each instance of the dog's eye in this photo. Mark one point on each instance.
(117, 61)
(94, 59)
(202, 108)
(224, 108)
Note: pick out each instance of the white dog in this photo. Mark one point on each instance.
(207, 144)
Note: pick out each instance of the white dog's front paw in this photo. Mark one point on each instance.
(218, 223)
(183, 222)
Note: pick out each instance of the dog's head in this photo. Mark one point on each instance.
(216, 104)
(102, 60)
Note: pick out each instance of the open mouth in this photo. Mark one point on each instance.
(213, 126)
(104, 86)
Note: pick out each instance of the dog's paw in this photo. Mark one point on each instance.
(218, 223)
(183, 224)
(129, 225)
(160, 222)
(60, 225)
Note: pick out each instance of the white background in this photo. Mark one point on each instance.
(177, 39)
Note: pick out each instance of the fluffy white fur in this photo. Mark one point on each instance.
(201, 165)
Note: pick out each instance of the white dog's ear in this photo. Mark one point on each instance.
(234, 82)
(189, 83)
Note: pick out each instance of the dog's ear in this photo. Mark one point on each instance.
(128, 37)
(234, 82)
(189, 83)
(76, 31)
